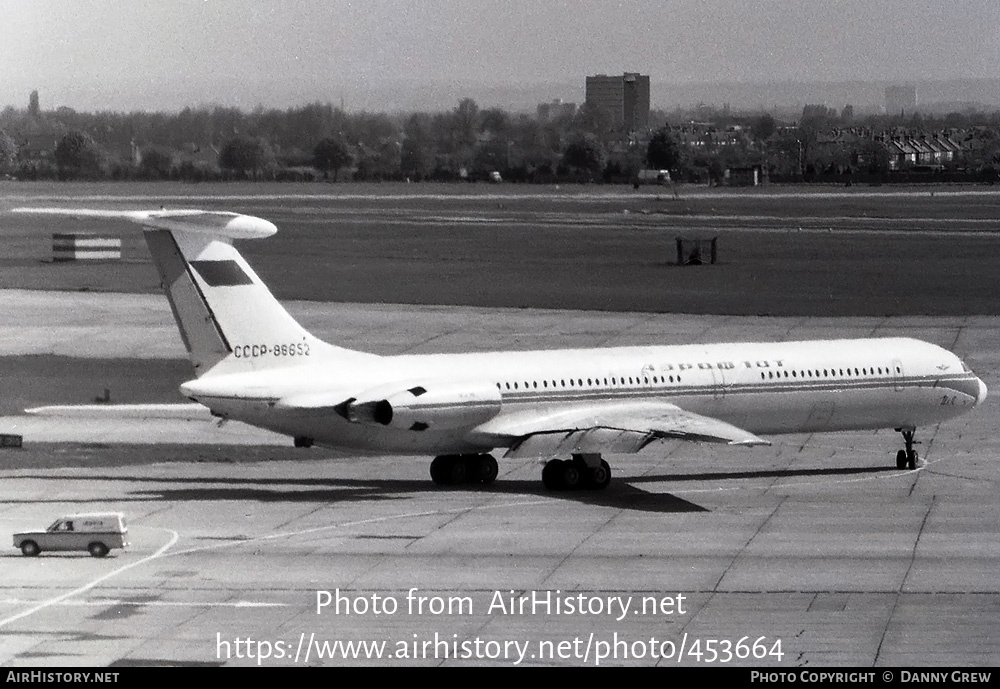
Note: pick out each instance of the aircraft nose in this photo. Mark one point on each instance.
(981, 397)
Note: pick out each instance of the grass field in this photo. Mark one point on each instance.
(783, 251)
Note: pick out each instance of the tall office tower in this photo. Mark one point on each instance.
(625, 97)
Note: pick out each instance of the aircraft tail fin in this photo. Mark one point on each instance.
(228, 318)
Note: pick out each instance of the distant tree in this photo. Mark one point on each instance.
(331, 154)
(763, 127)
(847, 114)
(814, 112)
(8, 152)
(246, 155)
(491, 156)
(156, 162)
(593, 120)
(663, 153)
(495, 121)
(466, 122)
(585, 155)
(416, 151)
(34, 110)
(378, 163)
(956, 120)
(875, 157)
(76, 154)
(530, 142)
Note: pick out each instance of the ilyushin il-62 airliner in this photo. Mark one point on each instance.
(254, 363)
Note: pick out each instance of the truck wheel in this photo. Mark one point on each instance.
(30, 549)
(98, 549)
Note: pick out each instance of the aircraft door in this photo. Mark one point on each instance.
(719, 382)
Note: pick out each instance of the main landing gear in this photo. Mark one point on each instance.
(907, 459)
(454, 470)
(583, 471)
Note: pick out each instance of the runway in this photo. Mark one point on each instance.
(814, 552)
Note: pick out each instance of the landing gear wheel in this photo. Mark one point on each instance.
(911, 459)
(901, 459)
(487, 469)
(303, 441)
(30, 549)
(600, 476)
(459, 471)
(552, 475)
(441, 470)
(571, 476)
(97, 549)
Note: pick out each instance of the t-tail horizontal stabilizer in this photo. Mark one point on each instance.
(228, 318)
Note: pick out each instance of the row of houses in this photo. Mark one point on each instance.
(905, 147)
(924, 150)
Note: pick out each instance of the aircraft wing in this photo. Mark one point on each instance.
(614, 428)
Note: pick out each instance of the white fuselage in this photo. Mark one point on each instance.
(767, 388)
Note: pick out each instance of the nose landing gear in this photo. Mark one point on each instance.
(907, 459)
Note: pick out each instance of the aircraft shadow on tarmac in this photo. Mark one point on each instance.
(621, 494)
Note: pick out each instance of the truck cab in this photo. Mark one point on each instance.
(96, 533)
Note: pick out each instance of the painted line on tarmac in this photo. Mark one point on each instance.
(106, 602)
(86, 587)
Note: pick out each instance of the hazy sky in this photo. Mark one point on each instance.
(153, 54)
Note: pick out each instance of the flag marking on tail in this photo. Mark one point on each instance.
(226, 273)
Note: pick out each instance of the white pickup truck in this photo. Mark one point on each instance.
(96, 533)
(661, 177)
